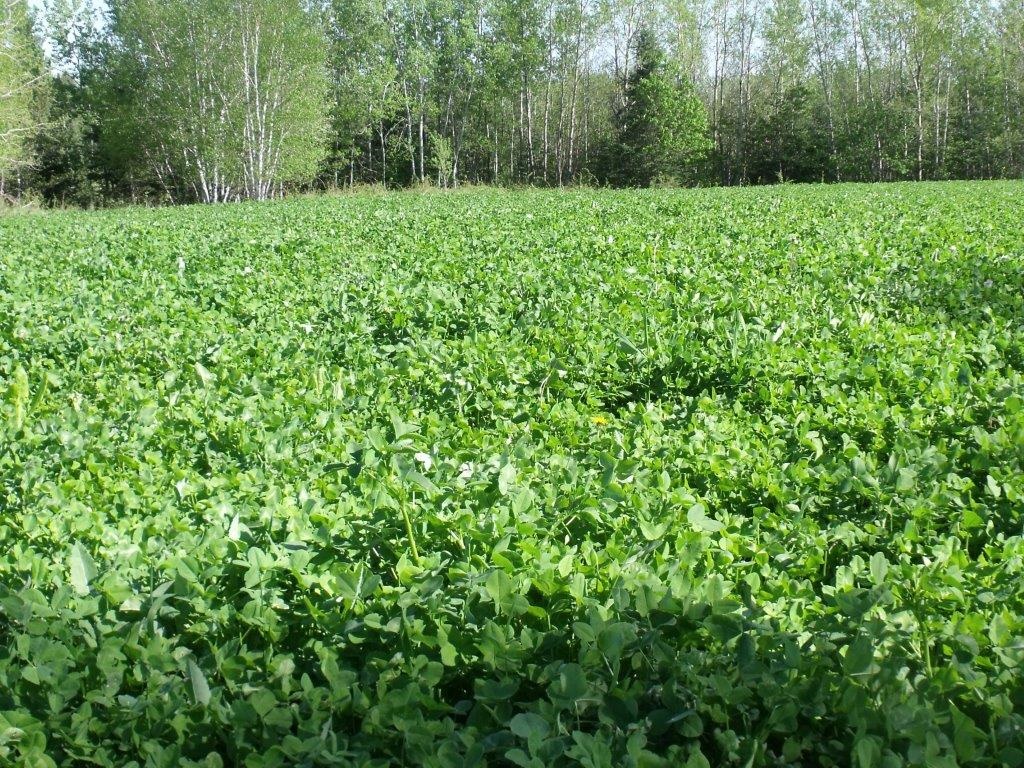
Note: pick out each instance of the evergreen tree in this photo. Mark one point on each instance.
(663, 133)
(72, 163)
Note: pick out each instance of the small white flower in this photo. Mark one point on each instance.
(989, 283)
(181, 266)
(247, 270)
(466, 471)
(425, 460)
(307, 327)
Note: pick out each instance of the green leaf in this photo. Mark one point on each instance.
(401, 428)
(867, 752)
(205, 376)
(200, 688)
(499, 587)
(506, 479)
(724, 627)
(613, 638)
(967, 737)
(698, 518)
(495, 690)
(652, 531)
(421, 482)
(83, 569)
(449, 654)
(859, 655)
(906, 480)
(527, 725)
(571, 682)
(879, 567)
(522, 502)
(993, 487)
(518, 757)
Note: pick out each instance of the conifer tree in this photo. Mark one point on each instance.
(663, 133)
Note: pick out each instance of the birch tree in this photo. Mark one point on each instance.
(22, 79)
(230, 96)
(283, 104)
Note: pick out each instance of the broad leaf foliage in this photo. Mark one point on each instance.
(725, 478)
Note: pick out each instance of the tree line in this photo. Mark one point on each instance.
(215, 100)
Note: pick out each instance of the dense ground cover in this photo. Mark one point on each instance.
(727, 477)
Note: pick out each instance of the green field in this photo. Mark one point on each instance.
(723, 477)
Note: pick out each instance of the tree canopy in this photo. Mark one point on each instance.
(227, 99)
(22, 88)
(663, 130)
(228, 96)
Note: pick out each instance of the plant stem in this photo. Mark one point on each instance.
(412, 536)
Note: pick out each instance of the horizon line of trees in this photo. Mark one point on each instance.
(213, 100)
